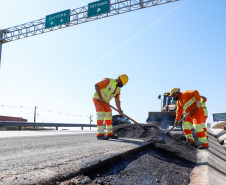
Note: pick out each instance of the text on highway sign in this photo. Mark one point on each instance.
(98, 7)
(219, 117)
(57, 19)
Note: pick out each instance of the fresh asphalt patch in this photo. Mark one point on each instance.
(168, 159)
(175, 142)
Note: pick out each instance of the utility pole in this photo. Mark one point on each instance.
(90, 117)
(34, 117)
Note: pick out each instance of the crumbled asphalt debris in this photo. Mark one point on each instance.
(147, 167)
(79, 179)
(175, 143)
(169, 160)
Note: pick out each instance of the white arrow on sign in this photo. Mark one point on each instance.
(61, 20)
(51, 23)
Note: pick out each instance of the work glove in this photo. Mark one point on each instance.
(120, 111)
(176, 123)
(198, 104)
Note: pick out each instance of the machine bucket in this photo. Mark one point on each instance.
(161, 119)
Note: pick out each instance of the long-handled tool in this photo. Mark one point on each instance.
(182, 119)
(125, 115)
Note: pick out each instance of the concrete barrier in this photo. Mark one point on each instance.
(211, 165)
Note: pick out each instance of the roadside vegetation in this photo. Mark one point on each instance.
(220, 125)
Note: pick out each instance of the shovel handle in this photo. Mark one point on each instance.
(182, 120)
(123, 114)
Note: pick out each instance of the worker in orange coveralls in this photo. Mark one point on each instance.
(203, 102)
(107, 89)
(187, 101)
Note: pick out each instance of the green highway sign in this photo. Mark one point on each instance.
(57, 19)
(219, 117)
(98, 7)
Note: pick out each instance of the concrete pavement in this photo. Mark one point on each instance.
(211, 165)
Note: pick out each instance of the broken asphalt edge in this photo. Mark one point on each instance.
(97, 165)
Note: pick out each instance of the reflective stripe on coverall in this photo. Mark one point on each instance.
(103, 111)
(204, 117)
(196, 123)
(108, 92)
(186, 103)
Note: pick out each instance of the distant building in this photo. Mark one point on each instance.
(10, 118)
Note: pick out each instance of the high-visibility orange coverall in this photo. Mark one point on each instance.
(102, 108)
(186, 103)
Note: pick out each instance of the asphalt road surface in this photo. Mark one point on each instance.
(48, 158)
(81, 159)
(167, 160)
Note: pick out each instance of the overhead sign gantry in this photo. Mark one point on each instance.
(93, 11)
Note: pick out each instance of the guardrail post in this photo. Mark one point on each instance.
(34, 117)
(82, 128)
(56, 128)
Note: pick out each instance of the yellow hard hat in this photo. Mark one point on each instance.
(124, 78)
(174, 90)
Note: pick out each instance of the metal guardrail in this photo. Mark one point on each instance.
(37, 124)
(221, 133)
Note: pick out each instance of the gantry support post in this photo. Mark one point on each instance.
(141, 3)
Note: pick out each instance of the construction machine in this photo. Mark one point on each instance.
(167, 116)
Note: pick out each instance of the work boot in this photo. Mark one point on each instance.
(203, 147)
(102, 138)
(112, 137)
(221, 142)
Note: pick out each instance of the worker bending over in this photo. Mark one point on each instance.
(107, 89)
(203, 103)
(186, 102)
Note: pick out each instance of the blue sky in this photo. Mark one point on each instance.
(179, 44)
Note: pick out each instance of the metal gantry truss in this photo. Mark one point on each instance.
(77, 16)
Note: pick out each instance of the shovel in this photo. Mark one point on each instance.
(126, 116)
(182, 119)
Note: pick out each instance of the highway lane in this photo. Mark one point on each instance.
(46, 158)
(27, 133)
(65, 157)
